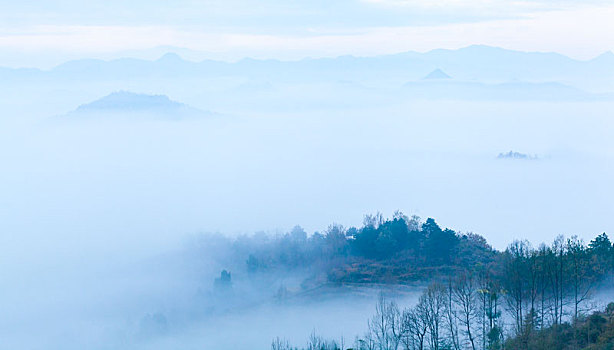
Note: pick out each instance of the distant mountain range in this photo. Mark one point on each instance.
(473, 63)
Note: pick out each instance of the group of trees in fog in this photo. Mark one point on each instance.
(420, 248)
(594, 331)
(484, 299)
(403, 249)
(477, 312)
(455, 317)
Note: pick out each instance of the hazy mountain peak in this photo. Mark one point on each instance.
(79, 64)
(125, 100)
(129, 103)
(170, 57)
(607, 56)
(437, 74)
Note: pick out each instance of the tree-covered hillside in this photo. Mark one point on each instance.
(405, 249)
(524, 297)
(594, 331)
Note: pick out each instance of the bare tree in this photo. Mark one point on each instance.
(580, 275)
(452, 316)
(280, 344)
(516, 257)
(415, 326)
(466, 298)
(434, 305)
(315, 342)
(556, 272)
(367, 342)
(386, 326)
(542, 255)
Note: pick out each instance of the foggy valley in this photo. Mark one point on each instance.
(128, 186)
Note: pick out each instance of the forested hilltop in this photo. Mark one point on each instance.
(524, 297)
(406, 249)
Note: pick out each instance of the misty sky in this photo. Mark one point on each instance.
(231, 29)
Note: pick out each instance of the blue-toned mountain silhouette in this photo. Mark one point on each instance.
(473, 63)
(436, 75)
(127, 104)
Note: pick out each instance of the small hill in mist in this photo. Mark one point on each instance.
(125, 103)
(516, 155)
(129, 101)
(437, 74)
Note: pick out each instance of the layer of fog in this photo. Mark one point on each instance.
(93, 182)
(96, 215)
